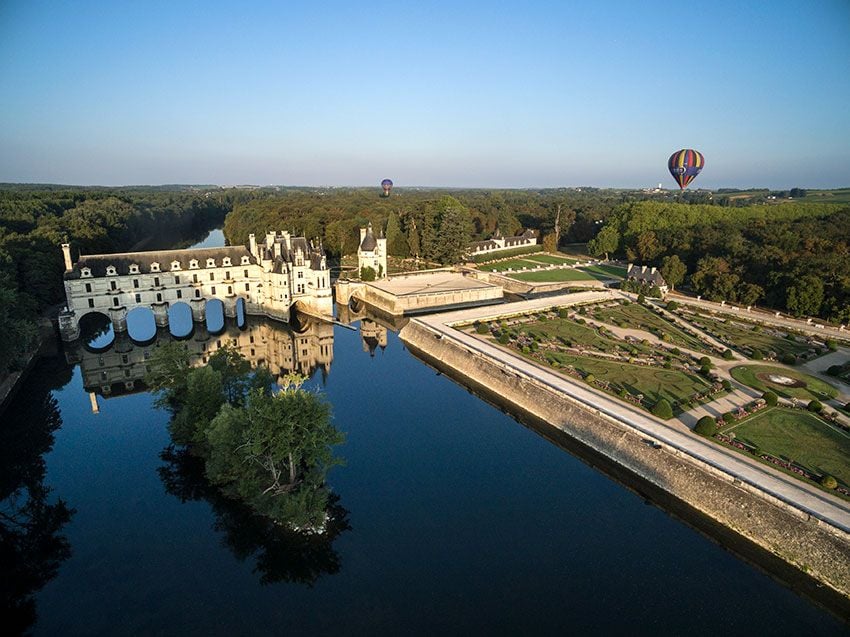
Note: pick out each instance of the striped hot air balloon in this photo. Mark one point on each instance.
(684, 165)
(387, 185)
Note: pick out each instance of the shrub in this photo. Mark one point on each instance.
(482, 328)
(831, 345)
(667, 365)
(770, 398)
(675, 351)
(622, 393)
(705, 370)
(367, 273)
(835, 370)
(828, 481)
(757, 355)
(672, 306)
(641, 299)
(728, 355)
(728, 417)
(589, 378)
(662, 409)
(789, 359)
(705, 360)
(504, 339)
(562, 313)
(815, 406)
(706, 426)
(726, 384)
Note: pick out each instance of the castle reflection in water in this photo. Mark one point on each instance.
(305, 346)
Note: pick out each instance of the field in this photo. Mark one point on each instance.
(799, 437)
(636, 316)
(742, 335)
(550, 276)
(654, 383)
(807, 389)
(839, 195)
(606, 271)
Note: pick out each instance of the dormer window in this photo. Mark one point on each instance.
(193, 264)
(226, 261)
(154, 267)
(245, 260)
(134, 269)
(210, 263)
(110, 270)
(175, 265)
(85, 272)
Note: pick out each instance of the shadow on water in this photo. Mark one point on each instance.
(751, 553)
(280, 554)
(32, 544)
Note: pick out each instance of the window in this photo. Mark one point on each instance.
(156, 281)
(135, 283)
(246, 274)
(225, 261)
(125, 359)
(210, 263)
(300, 274)
(88, 287)
(179, 294)
(176, 280)
(158, 297)
(154, 267)
(138, 298)
(115, 301)
(175, 265)
(91, 302)
(110, 270)
(227, 274)
(245, 261)
(134, 269)
(194, 278)
(212, 290)
(247, 286)
(85, 272)
(112, 285)
(230, 289)
(212, 276)
(197, 294)
(193, 264)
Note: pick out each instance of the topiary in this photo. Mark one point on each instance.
(726, 384)
(828, 481)
(815, 406)
(770, 398)
(757, 355)
(641, 299)
(562, 313)
(789, 359)
(482, 328)
(728, 417)
(728, 355)
(706, 426)
(504, 339)
(662, 409)
(705, 360)
(705, 370)
(672, 306)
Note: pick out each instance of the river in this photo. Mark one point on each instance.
(450, 518)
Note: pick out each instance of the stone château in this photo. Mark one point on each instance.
(268, 277)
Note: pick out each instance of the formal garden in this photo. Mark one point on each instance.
(754, 340)
(795, 440)
(785, 382)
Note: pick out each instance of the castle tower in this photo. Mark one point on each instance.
(372, 252)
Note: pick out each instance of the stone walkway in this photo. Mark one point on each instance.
(806, 498)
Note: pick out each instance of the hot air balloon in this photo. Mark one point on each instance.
(684, 165)
(387, 185)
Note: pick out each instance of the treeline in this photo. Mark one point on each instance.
(414, 219)
(34, 221)
(791, 256)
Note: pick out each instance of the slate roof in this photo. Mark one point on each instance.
(369, 242)
(645, 274)
(123, 260)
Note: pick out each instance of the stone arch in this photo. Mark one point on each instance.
(141, 325)
(214, 316)
(97, 334)
(180, 322)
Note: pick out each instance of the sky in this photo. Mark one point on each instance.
(455, 94)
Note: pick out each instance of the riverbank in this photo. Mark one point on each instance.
(810, 534)
(46, 345)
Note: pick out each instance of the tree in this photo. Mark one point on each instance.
(828, 482)
(706, 426)
(168, 374)
(815, 406)
(201, 402)
(662, 409)
(770, 398)
(805, 295)
(673, 270)
(605, 242)
(715, 279)
(413, 242)
(367, 273)
(396, 241)
(648, 246)
(454, 230)
(550, 243)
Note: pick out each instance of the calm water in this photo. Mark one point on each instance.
(451, 518)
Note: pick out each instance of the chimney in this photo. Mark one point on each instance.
(66, 252)
(252, 243)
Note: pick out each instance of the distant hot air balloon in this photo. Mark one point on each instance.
(387, 185)
(684, 165)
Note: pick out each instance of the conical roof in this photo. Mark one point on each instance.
(369, 242)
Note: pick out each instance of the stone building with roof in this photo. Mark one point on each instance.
(498, 243)
(372, 252)
(646, 275)
(269, 277)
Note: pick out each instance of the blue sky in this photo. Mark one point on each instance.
(509, 94)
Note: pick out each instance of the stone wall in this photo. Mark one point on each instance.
(812, 546)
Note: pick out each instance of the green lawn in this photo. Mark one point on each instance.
(551, 259)
(636, 316)
(501, 266)
(606, 272)
(743, 335)
(551, 276)
(569, 333)
(814, 387)
(801, 437)
(652, 382)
